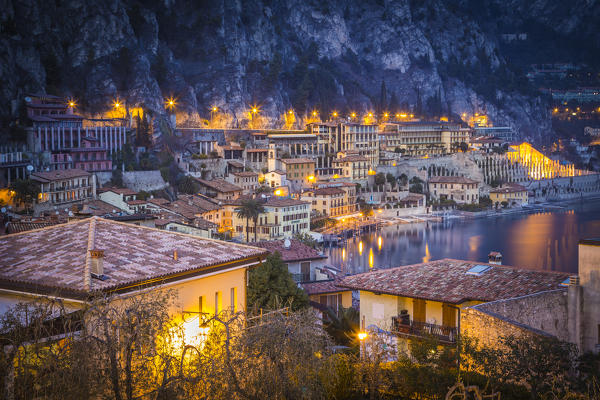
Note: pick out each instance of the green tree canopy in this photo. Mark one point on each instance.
(271, 286)
(26, 190)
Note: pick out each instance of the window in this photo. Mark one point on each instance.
(217, 302)
(233, 299)
(419, 310)
(305, 271)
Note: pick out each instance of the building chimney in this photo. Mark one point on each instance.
(97, 265)
(495, 258)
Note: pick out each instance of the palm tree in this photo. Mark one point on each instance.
(257, 210)
(245, 211)
(250, 209)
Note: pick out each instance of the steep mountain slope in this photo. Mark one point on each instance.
(441, 57)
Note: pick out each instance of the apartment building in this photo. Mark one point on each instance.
(512, 194)
(283, 218)
(458, 188)
(64, 186)
(351, 166)
(299, 170)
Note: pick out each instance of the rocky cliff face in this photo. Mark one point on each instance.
(442, 57)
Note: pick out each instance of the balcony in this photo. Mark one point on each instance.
(413, 329)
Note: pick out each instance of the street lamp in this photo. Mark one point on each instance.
(213, 110)
(170, 103)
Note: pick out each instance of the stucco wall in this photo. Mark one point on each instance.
(543, 313)
(589, 276)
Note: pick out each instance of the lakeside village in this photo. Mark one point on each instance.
(95, 209)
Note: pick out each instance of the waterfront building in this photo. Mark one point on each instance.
(79, 260)
(328, 201)
(417, 301)
(458, 188)
(513, 194)
(63, 187)
(282, 218)
(424, 137)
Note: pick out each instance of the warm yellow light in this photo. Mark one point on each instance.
(72, 104)
(464, 115)
(291, 112)
(370, 115)
(335, 114)
(360, 214)
(403, 115)
(353, 115)
(360, 248)
(278, 192)
(335, 176)
(394, 164)
(362, 336)
(314, 113)
(386, 115)
(311, 178)
(379, 242)
(412, 115)
(371, 258)
(380, 211)
(116, 104)
(556, 110)
(214, 108)
(344, 253)
(371, 172)
(397, 115)
(343, 219)
(254, 110)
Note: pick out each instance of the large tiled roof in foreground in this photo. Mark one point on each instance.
(54, 258)
(447, 280)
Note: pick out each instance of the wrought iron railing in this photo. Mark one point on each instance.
(415, 328)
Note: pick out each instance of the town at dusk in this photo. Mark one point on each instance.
(300, 199)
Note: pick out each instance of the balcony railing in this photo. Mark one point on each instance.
(409, 328)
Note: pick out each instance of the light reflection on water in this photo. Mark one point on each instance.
(546, 240)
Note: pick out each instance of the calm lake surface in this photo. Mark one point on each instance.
(542, 240)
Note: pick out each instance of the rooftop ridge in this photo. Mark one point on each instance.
(87, 277)
(79, 221)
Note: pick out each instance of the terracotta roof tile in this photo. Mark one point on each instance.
(447, 281)
(54, 258)
(322, 287)
(297, 251)
(220, 185)
(60, 174)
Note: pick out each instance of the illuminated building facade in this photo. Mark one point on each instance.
(539, 166)
(424, 138)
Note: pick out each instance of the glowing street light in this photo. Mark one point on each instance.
(214, 109)
(362, 335)
(170, 103)
(72, 103)
(291, 112)
(353, 115)
(334, 114)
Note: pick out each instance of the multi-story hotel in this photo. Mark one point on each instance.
(424, 138)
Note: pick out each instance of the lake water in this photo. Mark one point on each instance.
(542, 240)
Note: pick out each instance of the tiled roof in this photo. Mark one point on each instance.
(48, 176)
(99, 208)
(18, 226)
(322, 287)
(297, 160)
(297, 251)
(136, 202)
(511, 188)
(256, 150)
(278, 171)
(328, 191)
(450, 179)
(352, 158)
(158, 201)
(236, 164)
(220, 185)
(283, 202)
(245, 174)
(202, 203)
(53, 259)
(447, 281)
(123, 191)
